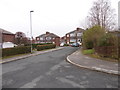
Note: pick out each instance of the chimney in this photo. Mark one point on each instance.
(47, 32)
(78, 29)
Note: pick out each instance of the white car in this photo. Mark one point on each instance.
(8, 45)
(62, 44)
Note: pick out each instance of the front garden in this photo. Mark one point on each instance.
(102, 43)
(25, 49)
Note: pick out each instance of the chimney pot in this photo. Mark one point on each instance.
(47, 32)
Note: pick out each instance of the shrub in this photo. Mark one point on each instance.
(34, 46)
(15, 51)
(107, 40)
(47, 46)
(89, 45)
(91, 36)
(66, 45)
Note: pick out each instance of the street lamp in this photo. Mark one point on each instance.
(31, 28)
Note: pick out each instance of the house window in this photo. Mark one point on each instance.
(48, 38)
(41, 38)
(79, 34)
(72, 35)
(67, 35)
(38, 39)
(72, 40)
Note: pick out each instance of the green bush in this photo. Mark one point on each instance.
(15, 51)
(89, 45)
(47, 46)
(66, 45)
(91, 36)
(107, 40)
(34, 46)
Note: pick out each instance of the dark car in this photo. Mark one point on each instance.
(75, 45)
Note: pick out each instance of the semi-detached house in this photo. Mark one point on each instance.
(48, 38)
(74, 36)
(6, 36)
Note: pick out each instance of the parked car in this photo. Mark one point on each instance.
(8, 45)
(75, 45)
(62, 44)
(80, 43)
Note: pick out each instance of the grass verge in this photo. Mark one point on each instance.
(91, 53)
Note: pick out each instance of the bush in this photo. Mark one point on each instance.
(15, 51)
(91, 36)
(89, 45)
(34, 46)
(107, 40)
(47, 46)
(66, 45)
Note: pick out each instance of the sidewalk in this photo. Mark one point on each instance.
(78, 59)
(28, 55)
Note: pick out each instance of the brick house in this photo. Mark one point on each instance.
(48, 38)
(74, 36)
(63, 39)
(6, 36)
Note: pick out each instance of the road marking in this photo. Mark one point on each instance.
(74, 84)
(33, 83)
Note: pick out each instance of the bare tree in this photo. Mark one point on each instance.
(102, 14)
(20, 38)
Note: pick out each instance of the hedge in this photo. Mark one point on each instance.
(108, 51)
(15, 51)
(47, 46)
(34, 46)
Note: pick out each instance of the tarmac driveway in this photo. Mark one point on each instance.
(50, 70)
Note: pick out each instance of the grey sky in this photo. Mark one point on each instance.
(56, 16)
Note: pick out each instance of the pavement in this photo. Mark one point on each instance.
(28, 55)
(84, 61)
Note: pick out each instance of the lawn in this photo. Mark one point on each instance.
(89, 51)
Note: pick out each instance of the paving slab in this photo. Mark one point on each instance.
(84, 61)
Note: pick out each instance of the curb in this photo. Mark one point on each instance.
(19, 58)
(93, 68)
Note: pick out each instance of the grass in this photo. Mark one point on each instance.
(103, 58)
(89, 51)
(6, 57)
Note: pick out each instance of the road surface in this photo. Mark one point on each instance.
(50, 70)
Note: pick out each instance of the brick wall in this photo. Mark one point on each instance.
(8, 38)
(57, 41)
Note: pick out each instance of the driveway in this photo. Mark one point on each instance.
(50, 70)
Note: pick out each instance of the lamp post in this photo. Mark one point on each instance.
(31, 28)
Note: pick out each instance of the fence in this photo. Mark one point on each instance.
(108, 51)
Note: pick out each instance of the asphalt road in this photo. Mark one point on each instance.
(50, 70)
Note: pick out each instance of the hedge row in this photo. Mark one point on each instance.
(43, 47)
(15, 51)
(34, 46)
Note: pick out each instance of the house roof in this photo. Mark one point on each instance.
(51, 35)
(4, 31)
(42, 35)
(77, 30)
(48, 35)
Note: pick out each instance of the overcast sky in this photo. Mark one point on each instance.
(56, 16)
